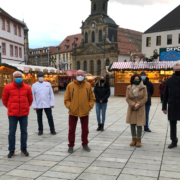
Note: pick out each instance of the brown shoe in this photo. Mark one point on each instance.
(138, 142)
(133, 143)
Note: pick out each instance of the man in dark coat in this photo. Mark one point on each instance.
(150, 91)
(172, 97)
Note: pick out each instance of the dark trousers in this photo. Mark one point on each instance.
(13, 121)
(147, 117)
(161, 97)
(72, 129)
(173, 131)
(48, 112)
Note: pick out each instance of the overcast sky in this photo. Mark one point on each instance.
(49, 22)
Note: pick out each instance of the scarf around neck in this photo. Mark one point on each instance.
(137, 88)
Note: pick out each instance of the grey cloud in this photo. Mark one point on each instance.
(141, 2)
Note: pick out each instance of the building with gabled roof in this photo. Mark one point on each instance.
(64, 50)
(163, 36)
(12, 39)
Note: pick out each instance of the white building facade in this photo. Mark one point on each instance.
(164, 36)
(11, 39)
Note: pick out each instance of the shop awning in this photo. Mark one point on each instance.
(28, 68)
(142, 65)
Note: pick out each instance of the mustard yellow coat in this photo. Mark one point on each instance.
(137, 117)
(79, 98)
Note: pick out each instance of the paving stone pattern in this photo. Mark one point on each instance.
(111, 157)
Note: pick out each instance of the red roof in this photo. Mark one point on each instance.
(67, 44)
(129, 40)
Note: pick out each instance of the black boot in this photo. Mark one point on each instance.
(102, 127)
(99, 127)
(173, 144)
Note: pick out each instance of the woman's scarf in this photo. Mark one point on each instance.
(137, 88)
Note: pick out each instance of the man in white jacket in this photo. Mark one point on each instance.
(43, 98)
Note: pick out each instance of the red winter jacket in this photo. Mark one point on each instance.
(17, 100)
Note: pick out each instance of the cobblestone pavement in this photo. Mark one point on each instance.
(111, 157)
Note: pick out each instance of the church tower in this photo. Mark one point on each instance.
(99, 46)
(99, 7)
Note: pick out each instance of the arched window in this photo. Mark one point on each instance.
(107, 62)
(99, 67)
(93, 37)
(92, 67)
(104, 6)
(100, 36)
(86, 37)
(78, 65)
(94, 6)
(85, 65)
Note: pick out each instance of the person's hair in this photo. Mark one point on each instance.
(176, 64)
(16, 73)
(134, 76)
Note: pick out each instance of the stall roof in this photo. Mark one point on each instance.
(160, 65)
(27, 68)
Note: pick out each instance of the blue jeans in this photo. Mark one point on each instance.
(48, 112)
(147, 116)
(99, 107)
(13, 121)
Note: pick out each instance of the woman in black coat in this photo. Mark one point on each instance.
(102, 93)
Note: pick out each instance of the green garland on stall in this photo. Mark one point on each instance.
(12, 67)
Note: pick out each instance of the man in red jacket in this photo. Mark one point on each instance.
(17, 98)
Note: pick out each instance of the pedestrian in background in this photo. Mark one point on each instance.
(172, 98)
(79, 99)
(102, 93)
(162, 87)
(150, 92)
(17, 98)
(136, 97)
(43, 99)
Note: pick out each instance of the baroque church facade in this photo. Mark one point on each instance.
(99, 46)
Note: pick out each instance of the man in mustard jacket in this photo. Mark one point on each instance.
(79, 99)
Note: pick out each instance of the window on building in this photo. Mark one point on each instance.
(63, 56)
(107, 62)
(11, 50)
(92, 67)
(86, 37)
(179, 38)
(70, 66)
(4, 48)
(94, 7)
(78, 65)
(93, 37)
(85, 65)
(148, 41)
(15, 29)
(8, 26)
(104, 6)
(66, 56)
(16, 51)
(3, 24)
(100, 36)
(169, 39)
(158, 41)
(99, 67)
(20, 52)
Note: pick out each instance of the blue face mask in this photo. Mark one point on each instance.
(143, 77)
(18, 80)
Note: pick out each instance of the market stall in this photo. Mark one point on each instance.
(91, 79)
(156, 72)
(30, 75)
(6, 75)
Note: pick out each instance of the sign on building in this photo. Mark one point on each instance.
(169, 54)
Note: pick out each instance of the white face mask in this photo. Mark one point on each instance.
(80, 78)
(41, 79)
